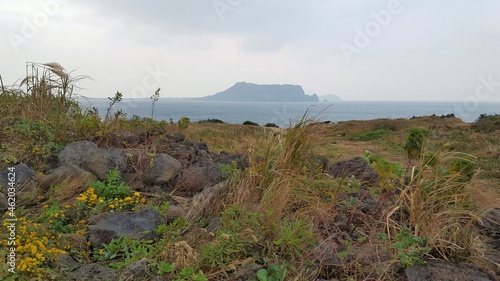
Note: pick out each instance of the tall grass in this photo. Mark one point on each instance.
(436, 204)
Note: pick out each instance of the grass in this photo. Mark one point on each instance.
(282, 212)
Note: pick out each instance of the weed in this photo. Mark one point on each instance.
(410, 249)
(272, 273)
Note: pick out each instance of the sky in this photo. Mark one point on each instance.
(359, 50)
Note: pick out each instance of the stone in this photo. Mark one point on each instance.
(138, 271)
(194, 179)
(205, 202)
(93, 272)
(22, 175)
(125, 138)
(136, 225)
(175, 212)
(357, 167)
(68, 174)
(160, 169)
(88, 156)
(446, 271)
(66, 263)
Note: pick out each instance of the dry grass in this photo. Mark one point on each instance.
(438, 205)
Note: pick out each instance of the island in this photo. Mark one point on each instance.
(243, 92)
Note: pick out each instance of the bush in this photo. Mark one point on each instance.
(487, 123)
(250, 123)
(271, 125)
(415, 142)
(217, 121)
(183, 123)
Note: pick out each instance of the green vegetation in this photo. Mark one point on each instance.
(283, 212)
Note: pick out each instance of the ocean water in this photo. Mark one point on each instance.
(283, 114)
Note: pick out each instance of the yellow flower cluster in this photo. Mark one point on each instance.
(34, 249)
(127, 203)
(89, 198)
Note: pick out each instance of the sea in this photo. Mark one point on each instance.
(284, 114)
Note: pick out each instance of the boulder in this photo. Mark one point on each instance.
(23, 175)
(160, 169)
(357, 167)
(137, 225)
(88, 156)
(68, 174)
(446, 271)
(93, 272)
(194, 179)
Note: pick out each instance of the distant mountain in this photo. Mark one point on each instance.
(243, 91)
(329, 98)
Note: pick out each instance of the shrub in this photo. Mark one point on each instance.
(487, 123)
(211, 121)
(250, 123)
(271, 125)
(183, 123)
(415, 141)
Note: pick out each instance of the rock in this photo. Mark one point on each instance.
(161, 169)
(247, 270)
(225, 158)
(124, 138)
(178, 137)
(22, 175)
(205, 202)
(357, 167)
(136, 225)
(88, 156)
(213, 225)
(446, 271)
(138, 271)
(70, 175)
(93, 272)
(66, 263)
(192, 180)
(175, 212)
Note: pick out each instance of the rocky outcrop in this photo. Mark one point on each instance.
(88, 156)
(136, 225)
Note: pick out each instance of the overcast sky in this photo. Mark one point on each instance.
(359, 50)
